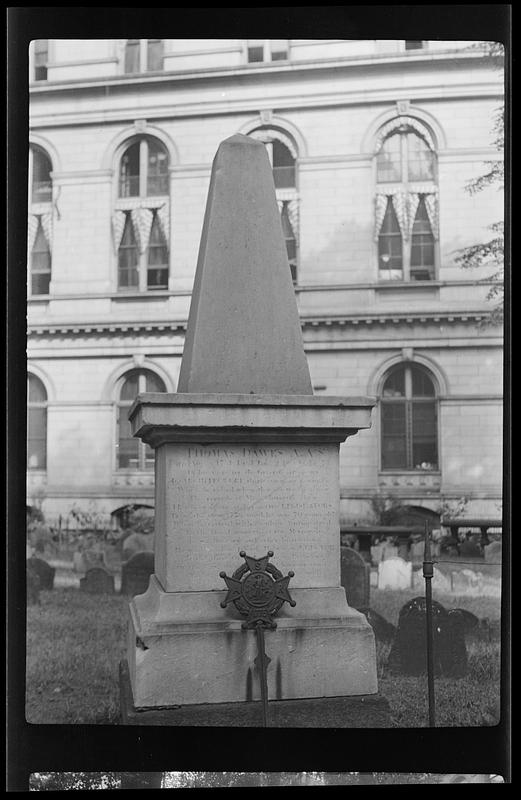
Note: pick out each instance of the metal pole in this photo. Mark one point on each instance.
(262, 665)
(428, 573)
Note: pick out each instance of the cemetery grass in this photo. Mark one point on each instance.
(75, 642)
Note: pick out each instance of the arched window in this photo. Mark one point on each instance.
(282, 156)
(132, 453)
(409, 420)
(141, 218)
(406, 202)
(143, 55)
(267, 50)
(36, 423)
(40, 220)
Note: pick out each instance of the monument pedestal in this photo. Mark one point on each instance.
(246, 473)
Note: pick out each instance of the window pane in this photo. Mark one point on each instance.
(36, 437)
(35, 390)
(394, 386)
(394, 445)
(128, 446)
(255, 54)
(388, 160)
(154, 55)
(129, 172)
(40, 283)
(128, 258)
(279, 49)
(157, 175)
(41, 56)
(422, 385)
(154, 383)
(420, 159)
(412, 45)
(132, 55)
(42, 186)
(130, 388)
(424, 436)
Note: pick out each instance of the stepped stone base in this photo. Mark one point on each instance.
(183, 649)
(363, 711)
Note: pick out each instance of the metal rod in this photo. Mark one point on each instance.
(261, 662)
(428, 573)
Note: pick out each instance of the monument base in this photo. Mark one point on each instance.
(184, 649)
(363, 711)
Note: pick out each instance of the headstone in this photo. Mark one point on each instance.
(384, 631)
(246, 459)
(97, 581)
(416, 551)
(137, 543)
(44, 571)
(492, 552)
(377, 553)
(136, 572)
(394, 573)
(408, 655)
(33, 585)
(94, 557)
(465, 581)
(355, 575)
(389, 550)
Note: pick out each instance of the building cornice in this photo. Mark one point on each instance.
(388, 318)
(260, 68)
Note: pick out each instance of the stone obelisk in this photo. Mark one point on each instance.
(247, 459)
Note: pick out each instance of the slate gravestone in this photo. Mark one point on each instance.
(355, 577)
(136, 572)
(44, 571)
(97, 581)
(408, 654)
(384, 631)
(33, 585)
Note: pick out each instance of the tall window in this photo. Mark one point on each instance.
(141, 217)
(267, 50)
(40, 219)
(282, 156)
(409, 420)
(41, 56)
(406, 203)
(132, 453)
(143, 55)
(36, 424)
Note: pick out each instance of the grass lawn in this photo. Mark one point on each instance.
(75, 642)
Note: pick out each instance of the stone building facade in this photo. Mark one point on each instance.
(372, 144)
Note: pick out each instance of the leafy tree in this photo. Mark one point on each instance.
(490, 253)
(66, 781)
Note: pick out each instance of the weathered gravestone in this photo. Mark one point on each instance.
(247, 460)
(355, 576)
(33, 585)
(136, 572)
(97, 581)
(44, 571)
(394, 573)
(408, 654)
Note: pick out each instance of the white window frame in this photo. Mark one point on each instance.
(143, 57)
(126, 204)
(406, 187)
(268, 50)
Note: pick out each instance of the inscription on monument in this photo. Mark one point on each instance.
(222, 500)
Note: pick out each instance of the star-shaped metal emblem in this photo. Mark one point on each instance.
(258, 590)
